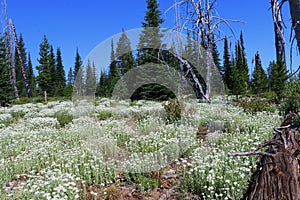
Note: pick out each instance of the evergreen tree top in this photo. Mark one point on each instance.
(153, 15)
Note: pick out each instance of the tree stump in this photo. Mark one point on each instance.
(277, 173)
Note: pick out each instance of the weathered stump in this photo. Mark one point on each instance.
(277, 174)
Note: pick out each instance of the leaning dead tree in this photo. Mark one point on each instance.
(28, 90)
(199, 20)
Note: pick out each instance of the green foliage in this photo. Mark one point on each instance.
(291, 100)
(63, 117)
(277, 78)
(44, 68)
(17, 115)
(173, 110)
(78, 80)
(31, 77)
(103, 115)
(255, 105)
(6, 89)
(260, 80)
(18, 68)
(60, 75)
(53, 76)
(145, 181)
(90, 80)
(124, 56)
(226, 64)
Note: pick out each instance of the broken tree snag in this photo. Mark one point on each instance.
(277, 176)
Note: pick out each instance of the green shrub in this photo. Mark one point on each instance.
(253, 105)
(173, 111)
(63, 117)
(103, 115)
(291, 100)
(17, 115)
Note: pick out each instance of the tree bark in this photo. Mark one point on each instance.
(277, 174)
(295, 15)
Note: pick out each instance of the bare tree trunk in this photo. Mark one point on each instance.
(279, 31)
(277, 174)
(295, 14)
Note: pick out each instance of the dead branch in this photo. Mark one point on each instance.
(252, 153)
(269, 143)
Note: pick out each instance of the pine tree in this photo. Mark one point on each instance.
(60, 74)
(19, 76)
(102, 86)
(124, 56)
(90, 80)
(52, 90)
(31, 77)
(260, 81)
(6, 89)
(70, 78)
(114, 74)
(150, 38)
(70, 82)
(216, 58)
(277, 78)
(44, 71)
(226, 66)
(149, 52)
(78, 75)
(242, 67)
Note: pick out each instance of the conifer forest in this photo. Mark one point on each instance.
(181, 112)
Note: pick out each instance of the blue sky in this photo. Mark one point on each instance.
(69, 24)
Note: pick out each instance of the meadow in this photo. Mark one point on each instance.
(62, 150)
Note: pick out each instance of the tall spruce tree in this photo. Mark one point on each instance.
(277, 78)
(227, 67)
(90, 80)
(44, 79)
(6, 89)
(52, 65)
(216, 58)
(31, 77)
(19, 76)
(150, 38)
(114, 74)
(70, 76)
(149, 51)
(102, 86)
(260, 81)
(241, 67)
(70, 82)
(124, 56)
(78, 75)
(60, 74)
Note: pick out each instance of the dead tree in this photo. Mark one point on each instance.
(277, 174)
(28, 90)
(199, 20)
(278, 30)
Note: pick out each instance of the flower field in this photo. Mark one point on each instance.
(62, 150)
